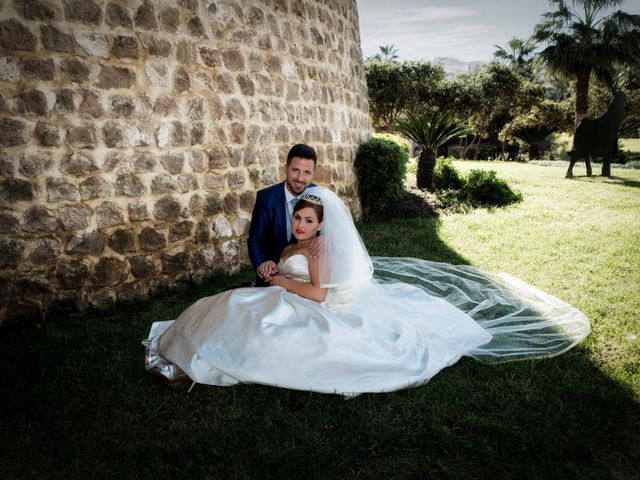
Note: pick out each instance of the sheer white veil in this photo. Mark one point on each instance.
(523, 321)
(344, 261)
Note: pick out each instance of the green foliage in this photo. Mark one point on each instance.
(381, 165)
(402, 142)
(446, 176)
(485, 188)
(398, 87)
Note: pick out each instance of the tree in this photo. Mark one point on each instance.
(389, 53)
(398, 87)
(429, 134)
(580, 40)
(533, 136)
(518, 55)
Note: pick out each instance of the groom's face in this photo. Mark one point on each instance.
(299, 174)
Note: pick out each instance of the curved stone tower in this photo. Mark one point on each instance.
(134, 135)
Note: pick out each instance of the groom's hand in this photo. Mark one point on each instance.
(316, 247)
(267, 269)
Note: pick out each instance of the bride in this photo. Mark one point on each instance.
(332, 325)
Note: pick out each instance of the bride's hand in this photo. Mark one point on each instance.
(275, 280)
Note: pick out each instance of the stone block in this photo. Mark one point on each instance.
(78, 164)
(138, 211)
(180, 231)
(17, 190)
(181, 81)
(109, 214)
(125, 46)
(167, 209)
(15, 36)
(75, 70)
(83, 136)
(113, 134)
(188, 183)
(142, 267)
(130, 186)
(206, 258)
(247, 200)
(195, 28)
(237, 133)
(37, 10)
(155, 47)
(144, 162)
(32, 101)
(74, 217)
(210, 57)
(110, 271)
(157, 73)
(169, 19)
(36, 69)
(235, 110)
(122, 106)
(6, 165)
(163, 183)
(115, 77)
(72, 274)
(122, 241)
(165, 105)
(64, 101)
(87, 11)
(246, 85)
(196, 133)
(230, 252)
(241, 226)
(178, 134)
(56, 40)
(196, 205)
(13, 132)
(222, 227)
(44, 250)
(39, 219)
(225, 83)
(11, 252)
(33, 165)
(218, 158)
(93, 44)
(212, 204)
(173, 162)
(151, 240)
(145, 18)
(47, 134)
(9, 221)
(91, 105)
(32, 282)
(95, 187)
(117, 16)
(186, 52)
(176, 264)
(9, 71)
(235, 179)
(197, 161)
(91, 243)
(231, 203)
(59, 189)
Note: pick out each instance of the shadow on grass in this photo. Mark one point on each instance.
(613, 180)
(78, 404)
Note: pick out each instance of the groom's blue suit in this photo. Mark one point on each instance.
(268, 231)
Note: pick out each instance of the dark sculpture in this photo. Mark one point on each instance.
(597, 137)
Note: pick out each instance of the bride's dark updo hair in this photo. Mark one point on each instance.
(312, 201)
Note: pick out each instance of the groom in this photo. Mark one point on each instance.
(270, 229)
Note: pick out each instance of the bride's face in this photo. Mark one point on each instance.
(305, 224)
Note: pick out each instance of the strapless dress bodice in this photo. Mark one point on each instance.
(295, 267)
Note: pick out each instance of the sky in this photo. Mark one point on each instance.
(462, 29)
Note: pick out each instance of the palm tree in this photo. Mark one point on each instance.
(582, 40)
(429, 134)
(518, 55)
(388, 53)
(533, 136)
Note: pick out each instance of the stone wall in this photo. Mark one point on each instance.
(134, 135)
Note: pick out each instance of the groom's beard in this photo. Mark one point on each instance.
(297, 189)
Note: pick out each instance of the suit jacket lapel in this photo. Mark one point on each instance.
(282, 216)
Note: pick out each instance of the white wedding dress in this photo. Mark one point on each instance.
(379, 333)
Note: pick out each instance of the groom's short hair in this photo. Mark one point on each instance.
(302, 151)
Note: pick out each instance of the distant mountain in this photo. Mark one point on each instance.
(453, 66)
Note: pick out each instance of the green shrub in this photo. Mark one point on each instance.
(447, 176)
(486, 188)
(401, 141)
(381, 166)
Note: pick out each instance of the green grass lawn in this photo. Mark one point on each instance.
(78, 403)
